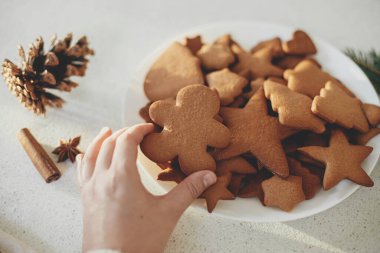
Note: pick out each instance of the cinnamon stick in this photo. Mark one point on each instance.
(37, 154)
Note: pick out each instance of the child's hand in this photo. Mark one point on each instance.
(118, 212)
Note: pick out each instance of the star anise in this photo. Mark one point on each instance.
(67, 149)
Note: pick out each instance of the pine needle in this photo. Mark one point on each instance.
(369, 62)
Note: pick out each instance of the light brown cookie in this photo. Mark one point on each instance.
(171, 174)
(194, 43)
(309, 79)
(228, 84)
(226, 40)
(290, 61)
(173, 70)
(252, 187)
(310, 182)
(274, 45)
(189, 128)
(217, 191)
(239, 102)
(284, 193)
(300, 44)
(263, 140)
(293, 108)
(342, 160)
(215, 56)
(372, 112)
(363, 138)
(234, 165)
(257, 84)
(335, 106)
(252, 67)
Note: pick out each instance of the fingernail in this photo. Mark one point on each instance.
(104, 129)
(209, 179)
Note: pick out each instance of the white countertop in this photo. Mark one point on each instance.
(48, 216)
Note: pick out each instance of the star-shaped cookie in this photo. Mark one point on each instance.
(335, 106)
(194, 43)
(217, 191)
(310, 182)
(284, 193)
(189, 128)
(342, 160)
(228, 85)
(253, 130)
(252, 67)
(307, 78)
(293, 108)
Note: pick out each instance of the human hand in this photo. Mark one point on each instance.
(118, 212)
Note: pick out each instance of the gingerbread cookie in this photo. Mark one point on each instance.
(234, 165)
(284, 193)
(252, 67)
(372, 112)
(226, 40)
(363, 138)
(215, 56)
(252, 187)
(218, 191)
(300, 44)
(173, 70)
(335, 106)
(290, 61)
(234, 185)
(274, 46)
(171, 174)
(307, 78)
(189, 128)
(310, 182)
(194, 44)
(263, 140)
(342, 160)
(228, 85)
(293, 108)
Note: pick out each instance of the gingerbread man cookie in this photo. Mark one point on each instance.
(189, 128)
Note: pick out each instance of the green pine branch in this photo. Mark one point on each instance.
(369, 62)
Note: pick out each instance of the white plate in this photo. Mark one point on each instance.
(247, 35)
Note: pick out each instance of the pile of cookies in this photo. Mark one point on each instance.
(270, 122)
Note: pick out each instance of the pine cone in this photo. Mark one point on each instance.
(41, 71)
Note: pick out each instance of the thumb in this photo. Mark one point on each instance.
(189, 189)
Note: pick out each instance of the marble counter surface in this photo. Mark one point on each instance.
(48, 216)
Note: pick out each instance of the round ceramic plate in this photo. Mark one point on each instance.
(247, 35)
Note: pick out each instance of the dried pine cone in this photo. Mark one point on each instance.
(41, 71)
